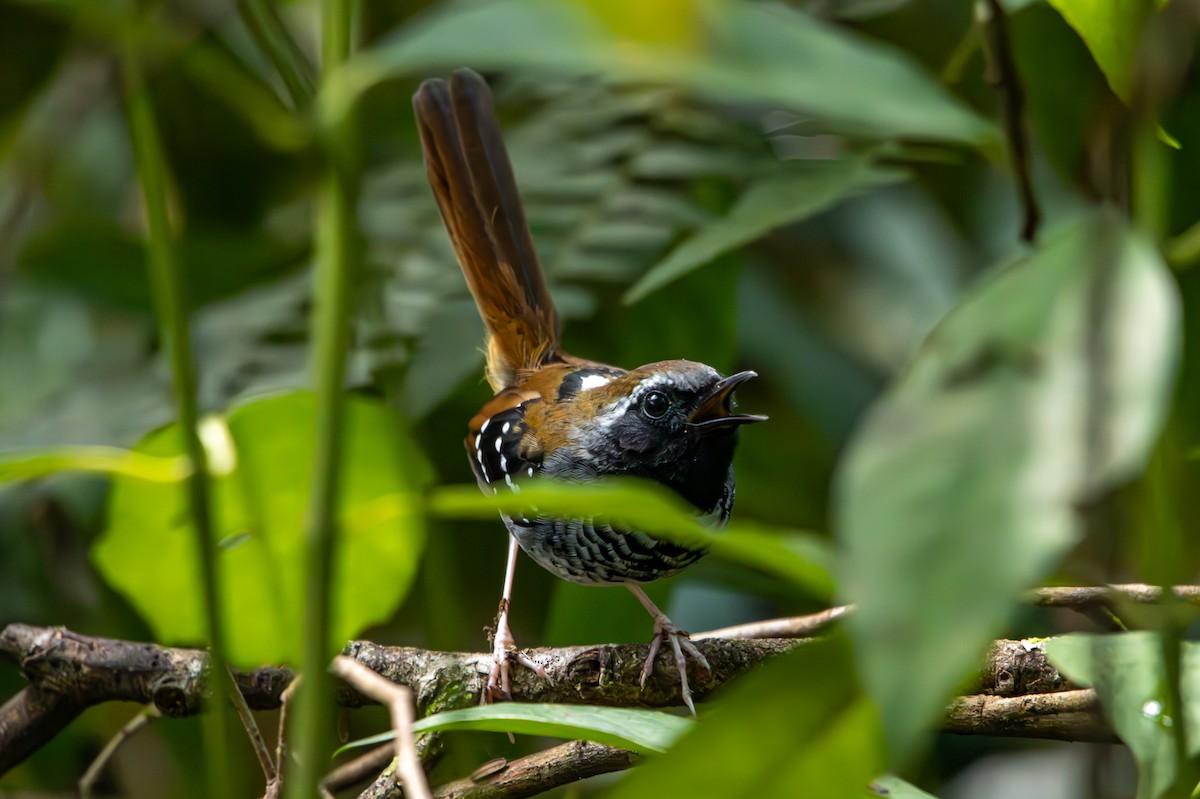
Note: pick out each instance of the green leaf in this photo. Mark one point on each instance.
(893, 787)
(788, 196)
(1111, 29)
(632, 728)
(801, 559)
(730, 51)
(1128, 674)
(104, 460)
(1045, 384)
(261, 456)
(628, 728)
(443, 359)
(796, 727)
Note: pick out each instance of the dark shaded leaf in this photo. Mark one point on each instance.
(789, 196)
(727, 50)
(1128, 674)
(814, 735)
(1046, 383)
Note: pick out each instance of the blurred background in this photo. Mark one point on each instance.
(826, 290)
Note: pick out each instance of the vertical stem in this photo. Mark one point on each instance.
(1002, 74)
(1164, 53)
(337, 248)
(167, 283)
(263, 22)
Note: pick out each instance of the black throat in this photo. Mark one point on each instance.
(701, 479)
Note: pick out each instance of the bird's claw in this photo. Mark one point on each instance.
(504, 652)
(665, 629)
(499, 682)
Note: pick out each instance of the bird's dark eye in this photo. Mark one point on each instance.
(656, 404)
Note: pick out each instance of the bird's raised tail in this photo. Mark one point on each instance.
(472, 178)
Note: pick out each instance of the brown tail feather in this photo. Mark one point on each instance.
(473, 182)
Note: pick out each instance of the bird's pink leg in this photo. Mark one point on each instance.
(664, 628)
(503, 646)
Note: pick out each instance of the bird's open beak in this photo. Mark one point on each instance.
(716, 410)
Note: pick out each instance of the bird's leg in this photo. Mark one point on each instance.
(503, 646)
(664, 628)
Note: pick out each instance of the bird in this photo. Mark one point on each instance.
(554, 415)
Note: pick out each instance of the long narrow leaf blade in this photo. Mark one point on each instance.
(646, 731)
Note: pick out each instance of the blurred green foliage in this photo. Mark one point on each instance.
(820, 191)
(1020, 348)
(261, 470)
(1129, 673)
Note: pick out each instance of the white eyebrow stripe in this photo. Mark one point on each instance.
(588, 382)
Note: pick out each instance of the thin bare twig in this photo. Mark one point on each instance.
(251, 727)
(791, 627)
(540, 772)
(285, 701)
(1093, 596)
(1063, 716)
(399, 701)
(31, 719)
(1080, 598)
(90, 776)
(1002, 74)
(359, 769)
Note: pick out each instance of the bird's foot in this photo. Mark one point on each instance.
(666, 630)
(504, 653)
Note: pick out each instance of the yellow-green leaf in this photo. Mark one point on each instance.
(261, 457)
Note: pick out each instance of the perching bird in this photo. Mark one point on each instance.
(561, 417)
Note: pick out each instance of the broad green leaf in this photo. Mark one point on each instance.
(1111, 29)
(629, 728)
(893, 787)
(802, 559)
(1127, 672)
(261, 457)
(790, 195)
(796, 727)
(105, 460)
(1046, 383)
(731, 51)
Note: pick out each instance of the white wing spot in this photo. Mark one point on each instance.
(593, 381)
(531, 471)
(478, 442)
(504, 465)
(508, 480)
(504, 430)
(498, 443)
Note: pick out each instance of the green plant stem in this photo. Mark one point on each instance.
(262, 20)
(167, 282)
(1151, 180)
(336, 248)
(1164, 559)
